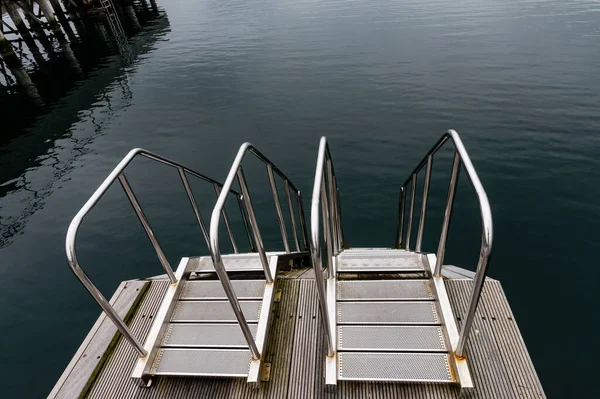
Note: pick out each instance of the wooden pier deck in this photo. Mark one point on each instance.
(498, 358)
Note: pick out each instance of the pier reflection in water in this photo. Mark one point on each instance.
(62, 62)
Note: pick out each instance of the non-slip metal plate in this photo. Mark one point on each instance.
(421, 367)
(202, 362)
(212, 289)
(206, 335)
(360, 290)
(394, 262)
(387, 313)
(233, 263)
(214, 311)
(391, 338)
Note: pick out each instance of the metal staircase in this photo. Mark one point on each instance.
(386, 312)
(214, 320)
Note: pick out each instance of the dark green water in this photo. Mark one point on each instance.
(382, 80)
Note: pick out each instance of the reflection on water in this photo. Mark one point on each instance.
(50, 81)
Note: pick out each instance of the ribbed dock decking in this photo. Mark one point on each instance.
(499, 361)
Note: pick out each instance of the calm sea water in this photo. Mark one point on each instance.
(382, 80)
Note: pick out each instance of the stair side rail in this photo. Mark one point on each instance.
(118, 173)
(236, 171)
(403, 239)
(325, 200)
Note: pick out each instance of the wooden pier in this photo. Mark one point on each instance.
(35, 33)
(500, 364)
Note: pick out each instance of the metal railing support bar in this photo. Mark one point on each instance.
(332, 205)
(190, 194)
(424, 204)
(284, 236)
(254, 224)
(240, 202)
(441, 252)
(292, 217)
(401, 206)
(339, 211)
(144, 221)
(315, 247)
(70, 241)
(326, 228)
(302, 219)
(226, 218)
(235, 304)
(413, 192)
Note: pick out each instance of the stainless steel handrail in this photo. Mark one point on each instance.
(460, 155)
(237, 171)
(325, 188)
(118, 173)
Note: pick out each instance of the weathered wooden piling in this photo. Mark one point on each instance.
(62, 18)
(16, 68)
(13, 11)
(58, 34)
(129, 12)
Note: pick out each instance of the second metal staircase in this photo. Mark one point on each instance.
(386, 312)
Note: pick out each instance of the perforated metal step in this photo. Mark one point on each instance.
(233, 263)
(387, 313)
(388, 261)
(206, 335)
(374, 290)
(391, 338)
(419, 367)
(213, 289)
(214, 311)
(202, 362)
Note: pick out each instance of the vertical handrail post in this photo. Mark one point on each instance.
(413, 192)
(327, 228)
(447, 214)
(245, 222)
(226, 218)
(332, 207)
(190, 194)
(424, 203)
(254, 225)
(292, 217)
(302, 219)
(284, 236)
(144, 221)
(339, 210)
(401, 206)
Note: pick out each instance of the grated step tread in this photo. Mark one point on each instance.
(387, 313)
(213, 289)
(415, 367)
(214, 311)
(206, 335)
(395, 261)
(359, 290)
(391, 338)
(202, 362)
